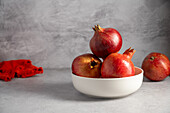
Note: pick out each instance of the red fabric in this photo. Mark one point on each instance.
(18, 68)
(5, 76)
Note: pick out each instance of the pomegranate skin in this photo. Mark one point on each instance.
(118, 65)
(105, 41)
(156, 66)
(87, 65)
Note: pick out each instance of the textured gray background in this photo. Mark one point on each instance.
(53, 32)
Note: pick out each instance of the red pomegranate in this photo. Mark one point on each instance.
(87, 65)
(156, 66)
(118, 65)
(105, 41)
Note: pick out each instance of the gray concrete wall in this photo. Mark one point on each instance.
(53, 32)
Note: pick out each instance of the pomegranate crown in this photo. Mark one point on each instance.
(129, 52)
(97, 28)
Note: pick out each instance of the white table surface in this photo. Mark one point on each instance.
(53, 92)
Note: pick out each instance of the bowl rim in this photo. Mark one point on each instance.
(80, 77)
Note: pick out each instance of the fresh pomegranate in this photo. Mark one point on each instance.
(156, 66)
(118, 65)
(87, 65)
(105, 41)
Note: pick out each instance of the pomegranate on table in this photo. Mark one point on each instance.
(105, 41)
(156, 66)
(87, 65)
(118, 65)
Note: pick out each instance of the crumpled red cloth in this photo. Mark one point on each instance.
(21, 68)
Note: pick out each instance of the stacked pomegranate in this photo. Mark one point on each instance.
(105, 44)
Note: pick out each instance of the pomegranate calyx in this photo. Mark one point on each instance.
(93, 63)
(129, 52)
(152, 58)
(97, 28)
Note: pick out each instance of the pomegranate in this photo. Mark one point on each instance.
(118, 65)
(156, 66)
(87, 65)
(105, 41)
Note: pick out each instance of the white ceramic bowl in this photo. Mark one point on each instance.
(109, 87)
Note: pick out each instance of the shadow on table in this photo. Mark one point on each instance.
(62, 91)
(150, 81)
(66, 91)
(146, 80)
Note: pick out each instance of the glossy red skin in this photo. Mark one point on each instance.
(117, 66)
(157, 69)
(105, 41)
(81, 66)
